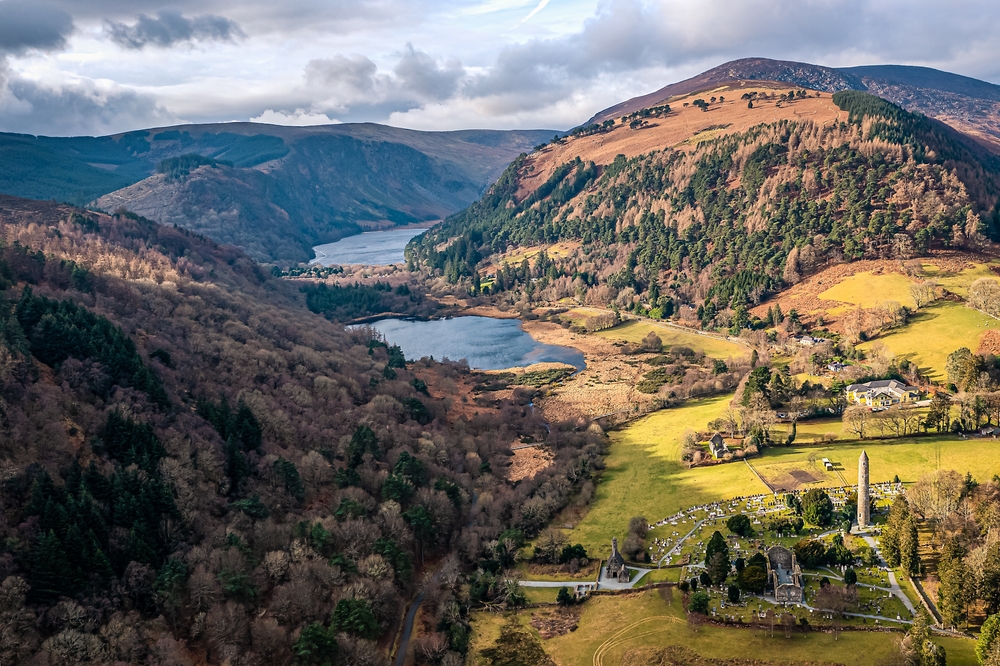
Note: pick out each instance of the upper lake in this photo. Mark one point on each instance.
(486, 343)
(373, 248)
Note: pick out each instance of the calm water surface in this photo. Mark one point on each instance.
(486, 343)
(374, 248)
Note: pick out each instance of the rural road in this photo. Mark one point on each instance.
(411, 615)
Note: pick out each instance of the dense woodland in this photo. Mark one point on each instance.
(194, 467)
(732, 220)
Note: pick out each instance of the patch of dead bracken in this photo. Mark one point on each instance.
(528, 462)
(552, 622)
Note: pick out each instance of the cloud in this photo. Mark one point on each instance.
(170, 27)
(81, 108)
(27, 26)
(422, 76)
(298, 118)
(352, 85)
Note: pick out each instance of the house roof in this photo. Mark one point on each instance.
(882, 386)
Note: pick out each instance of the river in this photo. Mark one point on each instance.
(374, 248)
(486, 343)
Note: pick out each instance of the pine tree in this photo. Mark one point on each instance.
(51, 575)
(908, 544)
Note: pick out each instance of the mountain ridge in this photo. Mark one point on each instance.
(967, 104)
(320, 183)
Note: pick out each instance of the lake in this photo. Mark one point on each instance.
(373, 248)
(486, 343)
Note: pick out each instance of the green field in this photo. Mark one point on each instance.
(813, 430)
(910, 458)
(869, 290)
(612, 625)
(635, 331)
(934, 332)
(957, 283)
(644, 475)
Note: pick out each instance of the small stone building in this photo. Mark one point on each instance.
(784, 575)
(616, 568)
(717, 445)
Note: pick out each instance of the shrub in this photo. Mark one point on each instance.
(699, 603)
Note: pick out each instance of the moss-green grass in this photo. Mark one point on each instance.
(644, 475)
(635, 331)
(541, 595)
(655, 622)
(868, 290)
(937, 330)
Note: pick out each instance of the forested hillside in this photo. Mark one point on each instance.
(273, 191)
(722, 222)
(195, 468)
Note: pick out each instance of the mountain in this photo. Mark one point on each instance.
(969, 105)
(712, 202)
(274, 191)
(197, 469)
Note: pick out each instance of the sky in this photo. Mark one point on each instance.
(75, 67)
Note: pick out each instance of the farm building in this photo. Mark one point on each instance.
(882, 393)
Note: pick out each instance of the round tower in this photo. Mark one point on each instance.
(864, 501)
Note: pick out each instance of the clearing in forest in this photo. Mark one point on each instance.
(869, 290)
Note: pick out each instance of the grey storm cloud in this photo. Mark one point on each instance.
(81, 109)
(170, 27)
(353, 85)
(26, 25)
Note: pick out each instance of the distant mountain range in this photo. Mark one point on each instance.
(274, 191)
(969, 105)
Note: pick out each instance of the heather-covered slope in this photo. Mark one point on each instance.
(969, 105)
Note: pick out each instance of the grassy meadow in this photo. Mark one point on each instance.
(644, 475)
(868, 290)
(934, 332)
(957, 283)
(609, 626)
(635, 331)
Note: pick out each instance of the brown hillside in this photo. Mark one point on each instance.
(683, 127)
(969, 105)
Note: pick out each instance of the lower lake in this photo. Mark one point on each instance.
(486, 343)
(373, 248)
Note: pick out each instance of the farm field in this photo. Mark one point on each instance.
(635, 331)
(813, 430)
(617, 624)
(910, 458)
(868, 290)
(644, 475)
(937, 330)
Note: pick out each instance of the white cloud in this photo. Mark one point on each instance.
(441, 63)
(298, 118)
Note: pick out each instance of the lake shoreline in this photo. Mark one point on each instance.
(510, 347)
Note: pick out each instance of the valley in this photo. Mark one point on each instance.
(714, 378)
